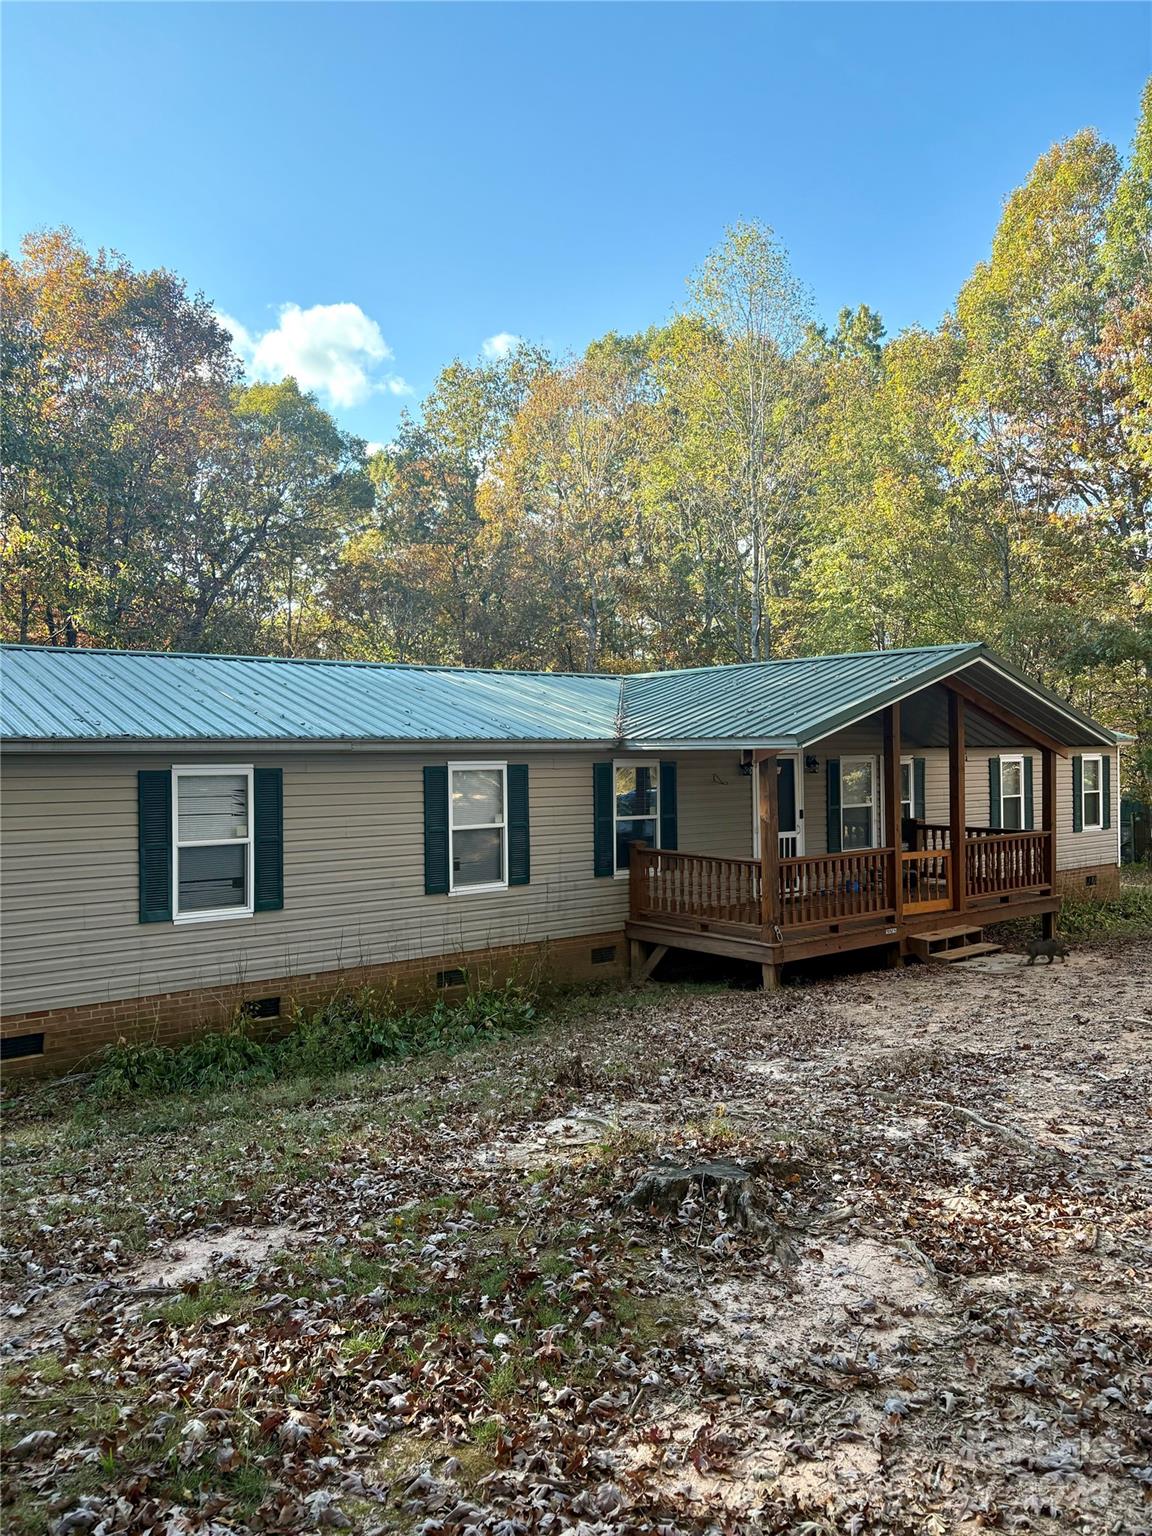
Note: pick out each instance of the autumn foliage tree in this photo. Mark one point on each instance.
(734, 484)
(151, 498)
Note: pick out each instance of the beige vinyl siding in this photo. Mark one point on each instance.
(935, 782)
(353, 872)
(863, 740)
(714, 805)
(1074, 850)
(1078, 850)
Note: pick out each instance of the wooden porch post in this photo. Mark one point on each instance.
(769, 841)
(637, 878)
(956, 792)
(892, 803)
(1048, 812)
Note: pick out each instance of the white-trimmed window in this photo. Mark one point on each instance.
(858, 785)
(478, 825)
(1012, 793)
(636, 806)
(1092, 793)
(212, 833)
(907, 789)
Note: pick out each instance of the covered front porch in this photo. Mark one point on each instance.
(893, 866)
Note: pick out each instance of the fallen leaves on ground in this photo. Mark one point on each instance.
(455, 1323)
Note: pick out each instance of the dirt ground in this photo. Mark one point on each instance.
(419, 1299)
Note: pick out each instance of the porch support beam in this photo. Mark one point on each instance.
(769, 842)
(956, 793)
(642, 966)
(891, 768)
(1002, 716)
(1048, 813)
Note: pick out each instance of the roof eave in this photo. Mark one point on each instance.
(1100, 733)
(843, 719)
(104, 744)
(916, 682)
(711, 744)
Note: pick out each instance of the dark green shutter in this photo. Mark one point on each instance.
(436, 830)
(834, 819)
(268, 836)
(154, 800)
(1106, 791)
(1028, 806)
(519, 843)
(603, 830)
(1078, 793)
(668, 832)
(994, 812)
(918, 788)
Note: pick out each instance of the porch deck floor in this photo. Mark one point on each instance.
(747, 941)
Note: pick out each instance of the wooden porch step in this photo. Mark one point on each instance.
(965, 952)
(963, 932)
(938, 943)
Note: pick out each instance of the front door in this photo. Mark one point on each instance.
(788, 808)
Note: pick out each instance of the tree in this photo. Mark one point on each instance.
(760, 397)
(264, 519)
(426, 580)
(113, 382)
(737, 484)
(1045, 423)
(150, 498)
(885, 564)
(566, 490)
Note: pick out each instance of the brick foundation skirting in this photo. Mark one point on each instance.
(172, 1018)
(1096, 883)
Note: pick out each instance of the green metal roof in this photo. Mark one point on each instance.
(50, 693)
(54, 695)
(795, 703)
(778, 703)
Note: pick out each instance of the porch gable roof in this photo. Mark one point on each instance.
(795, 703)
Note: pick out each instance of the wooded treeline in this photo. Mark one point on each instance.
(738, 483)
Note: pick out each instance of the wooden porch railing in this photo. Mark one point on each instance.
(937, 834)
(925, 876)
(694, 888)
(827, 887)
(999, 862)
(927, 836)
(693, 885)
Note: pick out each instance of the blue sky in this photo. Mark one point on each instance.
(370, 190)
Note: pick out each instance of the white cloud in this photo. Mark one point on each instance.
(501, 344)
(334, 349)
(372, 449)
(241, 336)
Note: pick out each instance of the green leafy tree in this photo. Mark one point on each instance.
(265, 518)
(760, 396)
(114, 382)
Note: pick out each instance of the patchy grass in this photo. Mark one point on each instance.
(448, 1332)
(1126, 916)
(1082, 921)
(349, 1030)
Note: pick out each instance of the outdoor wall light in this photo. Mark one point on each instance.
(811, 764)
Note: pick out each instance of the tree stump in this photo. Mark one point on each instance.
(664, 1188)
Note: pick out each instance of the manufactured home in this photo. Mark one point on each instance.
(186, 836)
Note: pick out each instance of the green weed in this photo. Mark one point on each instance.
(350, 1030)
(1127, 916)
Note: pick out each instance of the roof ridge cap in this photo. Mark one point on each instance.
(32, 648)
